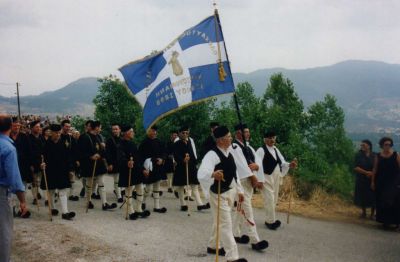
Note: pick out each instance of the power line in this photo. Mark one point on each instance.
(7, 84)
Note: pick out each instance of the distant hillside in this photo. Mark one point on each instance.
(75, 98)
(368, 91)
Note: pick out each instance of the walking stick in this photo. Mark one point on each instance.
(47, 191)
(218, 205)
(187, 184)
(290, 198)
(91, 186)
(128, 204)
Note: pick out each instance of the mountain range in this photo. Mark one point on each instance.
(368, 91)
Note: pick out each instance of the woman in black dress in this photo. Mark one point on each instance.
(364, 197)
(386, 182)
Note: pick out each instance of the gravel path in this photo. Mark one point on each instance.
(107, 236)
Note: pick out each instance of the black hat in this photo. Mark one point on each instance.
(240, 127)
(220, 131)
(214, 124)
(269, 134)
(95, 124)
(126, 128)
(34, 123)
(55, 127)
(184, 128)
(154, 127)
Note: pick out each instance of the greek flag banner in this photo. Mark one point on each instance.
(192, 68)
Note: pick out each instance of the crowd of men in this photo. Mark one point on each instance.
(54, 157)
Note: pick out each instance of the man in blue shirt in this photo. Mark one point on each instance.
(10, 182)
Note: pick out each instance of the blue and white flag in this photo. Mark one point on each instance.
(192, 68)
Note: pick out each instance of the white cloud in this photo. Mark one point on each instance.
(47, 44)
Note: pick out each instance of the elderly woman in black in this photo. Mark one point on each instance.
(364, 197)
(386, 182)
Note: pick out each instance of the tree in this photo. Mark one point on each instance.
(114, 104)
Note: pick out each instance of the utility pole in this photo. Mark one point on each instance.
(19, 108)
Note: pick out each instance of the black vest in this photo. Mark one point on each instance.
(248, 154)
(269, 162)
(228, 165)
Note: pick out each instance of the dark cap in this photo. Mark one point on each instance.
(214, 124)
(55, 127)
(220, 131)
(240, 127)
(126, 128)
(269, 134)
(34, 123)
(184, 128)
(154, 127)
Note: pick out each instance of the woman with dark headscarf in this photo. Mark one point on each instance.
(386, 182)
(364, 197)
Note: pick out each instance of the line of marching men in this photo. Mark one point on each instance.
(229, 171)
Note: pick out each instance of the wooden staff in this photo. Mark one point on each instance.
(290, 196)
(91, 186)
(47, 191)
(218, 207)
(187, 184)
(129, 195)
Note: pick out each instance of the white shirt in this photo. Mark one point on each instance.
(204, 174)
(241, 164)
(271, 149)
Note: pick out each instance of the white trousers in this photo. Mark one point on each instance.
(270, 193)
(170, 176)
(62, 194)
(155, 189)
(99, 180)
(225, 224)
(117, 190)
(239, 221)
(195, 191)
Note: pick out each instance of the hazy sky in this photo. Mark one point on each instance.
(46, 44)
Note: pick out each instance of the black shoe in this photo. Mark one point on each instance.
(96, 196)
(107, 206)
(133, 216)
(221, 251)
(263, 244)
(240, 260)
(39, 196)
(54, 212)
(207, 206)
(277, 223)
(189, 198)
(160, 210)
(120, 200)
(244, 239)
(72, 214)
(34, 202)
(26, 215)
(73, 198)
(185, 208)
(143, 206)
(66, 216)
(143, 214)
(271, 226)
(90, 205)
(82, 193)
(170, 190)
(176, 194)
